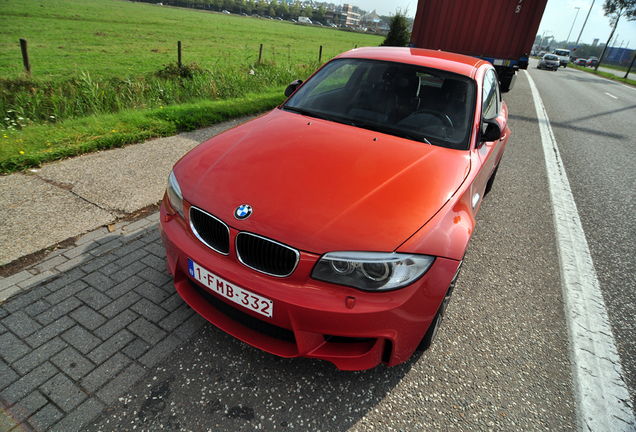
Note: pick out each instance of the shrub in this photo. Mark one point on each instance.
(399, 34)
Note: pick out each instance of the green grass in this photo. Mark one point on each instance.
(25, 102)
(34, 145)
(607, 75)
(104, 72)
(118, 38)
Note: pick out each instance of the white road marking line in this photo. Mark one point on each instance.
(611, 95)
(603, 401)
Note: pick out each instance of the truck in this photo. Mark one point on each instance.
(499, 31)
(305, 20)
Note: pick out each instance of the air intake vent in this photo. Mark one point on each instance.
(244, 319)
(265, 255)
(210, 230)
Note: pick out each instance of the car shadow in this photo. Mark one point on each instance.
(216, 381)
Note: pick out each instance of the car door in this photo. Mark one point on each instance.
(488, 153)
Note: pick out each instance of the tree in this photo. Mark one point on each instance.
(399, 34)
(615, 9)
(282, 10)
(250, 6)
(218, 4)
(261, 8)
(319, 14)
(228, 4)
(294, 9)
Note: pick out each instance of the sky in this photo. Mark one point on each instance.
(558, 19)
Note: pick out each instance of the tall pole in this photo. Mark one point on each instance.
(584, 22)
(620, 61)
(567, 41)
(608, 41)
(630, 65)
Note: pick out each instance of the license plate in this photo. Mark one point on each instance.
(238, 295)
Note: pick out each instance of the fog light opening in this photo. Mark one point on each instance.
(388, 350)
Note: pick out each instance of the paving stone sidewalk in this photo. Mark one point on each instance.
(82, 327)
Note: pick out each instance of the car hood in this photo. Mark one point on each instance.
(321, 186)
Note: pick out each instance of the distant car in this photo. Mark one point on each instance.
(334, 226)
(226, 12)
(591, 62)
(267, 16)
(580, 62)
(243, 14)
(549, 61)
(292, 20)
(564, 56)
(279, 18)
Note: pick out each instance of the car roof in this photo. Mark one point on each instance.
(457, 63)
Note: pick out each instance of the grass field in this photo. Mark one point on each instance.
(118, 38)
(104, 72)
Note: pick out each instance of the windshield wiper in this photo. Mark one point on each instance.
(306, 112)
(390, 131)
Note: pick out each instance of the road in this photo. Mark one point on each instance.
(502, 359)
(593, 124)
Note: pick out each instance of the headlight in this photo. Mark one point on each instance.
(372, 271)
(174, 194)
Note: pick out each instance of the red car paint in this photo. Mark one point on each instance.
(320, 186)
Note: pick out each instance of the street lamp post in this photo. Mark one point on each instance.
(584, 22)
(567, 41)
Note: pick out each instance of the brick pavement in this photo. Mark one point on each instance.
(80, 328)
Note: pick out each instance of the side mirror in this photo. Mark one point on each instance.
(492, 129)
(291, 88)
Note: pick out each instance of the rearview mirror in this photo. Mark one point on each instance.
(291, 88)
(493, 129)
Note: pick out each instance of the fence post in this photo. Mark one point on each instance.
(25, 55)
(320, 55)
(179, 53)
(260, 54)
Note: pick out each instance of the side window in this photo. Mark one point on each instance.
(491, 98)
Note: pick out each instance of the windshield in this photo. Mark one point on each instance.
(562, 52)
(550, 57)
(427, 105)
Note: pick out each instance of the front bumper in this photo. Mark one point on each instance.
(351, 328)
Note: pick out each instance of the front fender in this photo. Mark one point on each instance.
(447, 234)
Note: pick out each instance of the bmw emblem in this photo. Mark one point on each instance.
(243, 212)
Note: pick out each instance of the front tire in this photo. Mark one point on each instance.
(431, 333)
(491, 180)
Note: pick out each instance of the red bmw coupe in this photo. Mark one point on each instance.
(334, 226)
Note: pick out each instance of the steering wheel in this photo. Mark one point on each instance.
(446, 122)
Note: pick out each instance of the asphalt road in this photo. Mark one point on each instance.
(593, 123)
(501, 360)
